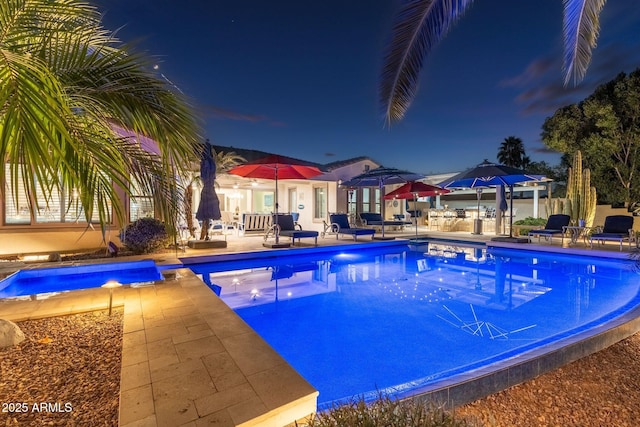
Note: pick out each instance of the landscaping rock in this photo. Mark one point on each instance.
(10, 334)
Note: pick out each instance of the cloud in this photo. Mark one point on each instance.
(533, 72)
(540, 88)
(541, 149)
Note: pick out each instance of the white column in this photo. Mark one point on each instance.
(536, 199)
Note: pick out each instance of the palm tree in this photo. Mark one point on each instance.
(421, 24)
(65, 84)
(511, 153)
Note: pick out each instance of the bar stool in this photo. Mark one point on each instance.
(434, 219)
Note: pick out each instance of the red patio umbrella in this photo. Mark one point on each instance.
(413, 190)
(277, 167)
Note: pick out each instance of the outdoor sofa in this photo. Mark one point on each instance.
(339, 224)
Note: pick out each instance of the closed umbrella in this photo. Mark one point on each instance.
(413, 190)
(488, 174)
(209, 206)
(503, 203)
(379, 177)
(277, 167)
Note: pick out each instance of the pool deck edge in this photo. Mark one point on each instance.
(187, 358)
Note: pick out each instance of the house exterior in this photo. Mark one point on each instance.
(313, 199)
(58, 228)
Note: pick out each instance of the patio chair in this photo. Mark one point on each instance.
(554, 226)
(285, 226)
(616, 228)
(340, 225)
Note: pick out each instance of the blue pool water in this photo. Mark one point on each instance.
(394, 319)
(46, 280)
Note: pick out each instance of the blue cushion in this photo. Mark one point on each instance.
(285, 222)
(357, 231)
(371, 217)
(546, 231)
(299, 233)
(557, 221)
(610, 236)
(619, 224)
(341, 219)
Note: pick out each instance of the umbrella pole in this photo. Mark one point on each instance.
(275, 209)
(415, 211)
(511, 211)
(383, 204)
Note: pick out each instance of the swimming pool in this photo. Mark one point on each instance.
(59, 279)
(400, 318)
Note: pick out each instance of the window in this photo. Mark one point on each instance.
(141, 205)
(58, 207)
(371, 200)
(319, 203)
(366, 200)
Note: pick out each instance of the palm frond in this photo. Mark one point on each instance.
(64, 80)
(580, 28)
(419, 26)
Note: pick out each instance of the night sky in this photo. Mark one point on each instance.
(300, 78)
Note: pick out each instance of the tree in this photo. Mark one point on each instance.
(65, 81)
(511, 153)
(606, 128)
(421, 24)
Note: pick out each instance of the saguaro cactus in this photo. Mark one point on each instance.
(554, 206)
(581, 196)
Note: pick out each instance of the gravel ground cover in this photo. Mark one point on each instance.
(66, 373)
(600, 390)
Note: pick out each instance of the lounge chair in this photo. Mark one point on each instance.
(374, 219)
(554, 226)
(616, 228)
(340, 225)
(285, 226)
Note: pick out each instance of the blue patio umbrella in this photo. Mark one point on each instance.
(379, 177)
(209, 206)
(488, 174)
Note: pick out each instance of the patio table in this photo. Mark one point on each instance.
(575, 232)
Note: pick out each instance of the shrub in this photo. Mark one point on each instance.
(388, 412)
(531, 221)
(144, 236)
